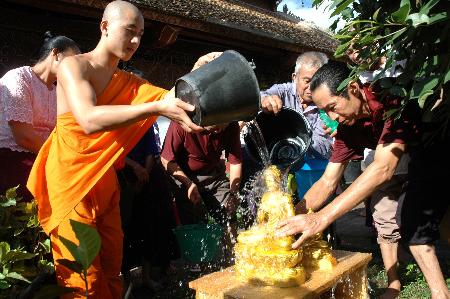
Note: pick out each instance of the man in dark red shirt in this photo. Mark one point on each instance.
(361, 125)
(199, 181)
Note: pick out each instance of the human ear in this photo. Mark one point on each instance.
(55, 53)
(104, 27)
(353, 88)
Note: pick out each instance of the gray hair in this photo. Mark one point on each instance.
(310, 59)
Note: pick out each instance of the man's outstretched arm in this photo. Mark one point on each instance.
(380, 171)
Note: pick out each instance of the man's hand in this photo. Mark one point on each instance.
(329, 131)
(307, 224)
(193, 194)
(271, 104)
(176, 109)
(205, 59)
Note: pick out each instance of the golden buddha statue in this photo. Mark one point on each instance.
(262, 258)
(317, 254)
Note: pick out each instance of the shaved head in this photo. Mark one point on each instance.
(118, 9)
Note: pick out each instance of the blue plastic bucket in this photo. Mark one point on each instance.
(310, 172)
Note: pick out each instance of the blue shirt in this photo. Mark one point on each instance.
(145, 147)
(321, 143)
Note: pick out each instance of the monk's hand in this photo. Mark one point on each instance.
(306, 224)
(205, 59)
(193, 194)
(272, 104)
(177, 110)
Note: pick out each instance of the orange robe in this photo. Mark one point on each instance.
(73, 178)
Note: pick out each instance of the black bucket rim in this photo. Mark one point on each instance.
(299, 162)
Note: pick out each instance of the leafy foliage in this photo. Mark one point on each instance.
(417, 32)
(24, 248)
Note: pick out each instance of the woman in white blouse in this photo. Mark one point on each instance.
(28, 111)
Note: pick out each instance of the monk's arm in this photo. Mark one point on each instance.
(73, 77)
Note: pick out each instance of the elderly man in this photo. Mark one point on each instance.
(361, 125)
(297, 95)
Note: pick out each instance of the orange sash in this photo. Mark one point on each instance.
(70, 162)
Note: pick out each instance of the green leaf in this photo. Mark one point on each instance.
(418, 18)
(341, 7)
(52, 291)
(11, 193)
(429, 5)
(439, 17)
(72, 265)
(344, 84)
(422, 87)
(89, 246)
(4, 285)
(90, 241)
(17, 255)
(423, 97)
(341, 49)
(72, 247)
(390, 113)
(4, 249)
(46, 245)
(17, 276)
(447, 76)
(8, 203)
(376, 13)
(46, 266)
(400, 15)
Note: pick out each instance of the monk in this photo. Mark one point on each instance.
(102, 113)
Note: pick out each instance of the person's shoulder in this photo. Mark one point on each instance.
(23, 72)
(77, 64)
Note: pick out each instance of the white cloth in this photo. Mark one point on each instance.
(25, 98)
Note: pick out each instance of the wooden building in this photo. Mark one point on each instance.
(177, 32)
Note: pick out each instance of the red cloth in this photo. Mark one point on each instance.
(350, 141)
(200, 152)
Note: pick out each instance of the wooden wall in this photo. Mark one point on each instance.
(22, 29)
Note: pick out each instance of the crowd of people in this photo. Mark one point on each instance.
(88, 149)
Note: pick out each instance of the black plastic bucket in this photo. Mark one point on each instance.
(287, 136)
(222, 91)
